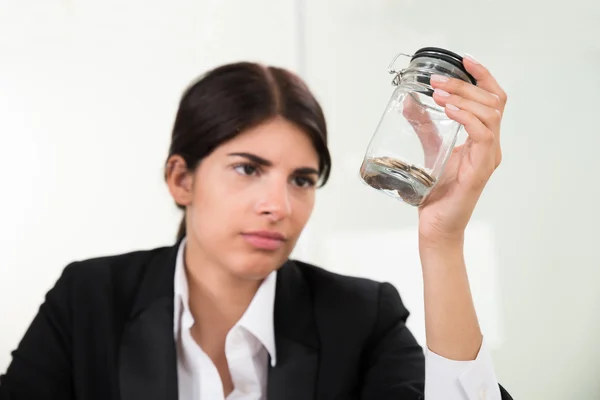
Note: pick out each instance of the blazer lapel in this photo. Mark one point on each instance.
(147, 359)
(295, 375)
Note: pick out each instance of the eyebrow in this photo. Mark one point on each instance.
(261, 161)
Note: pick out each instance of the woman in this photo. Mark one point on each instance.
(224, 313)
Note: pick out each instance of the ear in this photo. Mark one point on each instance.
(180, 180)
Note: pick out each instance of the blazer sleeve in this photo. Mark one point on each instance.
(41, 366)
(394, 363)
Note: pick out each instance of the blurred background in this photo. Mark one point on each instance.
(88, 93)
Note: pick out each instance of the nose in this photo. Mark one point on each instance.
(275, 201)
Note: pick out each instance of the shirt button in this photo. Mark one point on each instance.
(483, 394)
(246, 389)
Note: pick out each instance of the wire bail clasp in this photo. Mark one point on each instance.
(392, 71)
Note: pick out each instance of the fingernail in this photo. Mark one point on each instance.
(472, 59)
(451, 107)
(439, 78)
(441, 92)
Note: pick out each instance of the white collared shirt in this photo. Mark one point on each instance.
(248, 346)
(251, 342)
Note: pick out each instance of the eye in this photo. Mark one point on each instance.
(246, 169)
(304, 181)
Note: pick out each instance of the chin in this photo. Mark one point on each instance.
(258, 265)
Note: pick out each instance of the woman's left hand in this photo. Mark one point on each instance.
(444, 215)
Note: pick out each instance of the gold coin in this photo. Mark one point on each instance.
(422, 176)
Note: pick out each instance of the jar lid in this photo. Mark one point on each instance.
(446, 55)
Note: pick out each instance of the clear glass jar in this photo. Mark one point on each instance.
(414, 138)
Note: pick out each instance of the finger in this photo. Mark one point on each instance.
(467, 91)
(489, 116)
(477, 131)
(485, 152)
(485, 80)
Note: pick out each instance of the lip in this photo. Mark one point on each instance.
(264, 240)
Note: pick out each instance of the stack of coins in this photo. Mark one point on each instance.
(418, 173)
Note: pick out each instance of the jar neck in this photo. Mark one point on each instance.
(420, 69)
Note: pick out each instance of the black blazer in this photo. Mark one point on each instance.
(105, 331)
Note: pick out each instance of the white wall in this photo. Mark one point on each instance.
(88, 94)
(541, 205)
(88, 91)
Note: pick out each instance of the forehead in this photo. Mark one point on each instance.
(277, 140)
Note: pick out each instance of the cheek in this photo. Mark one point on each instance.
(213, 215)
(303, 207)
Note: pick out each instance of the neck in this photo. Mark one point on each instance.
(217, 298)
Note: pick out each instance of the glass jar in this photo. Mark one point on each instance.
(414, 138)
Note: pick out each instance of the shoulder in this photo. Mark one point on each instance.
(111, 278)
(322, 280)
(351, 312)
(354, 296)
(125, 265)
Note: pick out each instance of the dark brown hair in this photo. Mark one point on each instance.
(235, 97)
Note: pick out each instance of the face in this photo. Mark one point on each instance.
(248, 201)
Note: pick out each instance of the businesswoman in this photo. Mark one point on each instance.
(224, 314)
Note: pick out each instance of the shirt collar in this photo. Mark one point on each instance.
(258, 318)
